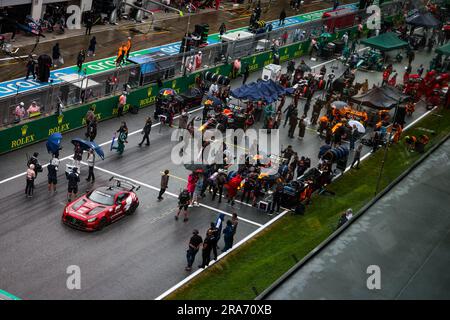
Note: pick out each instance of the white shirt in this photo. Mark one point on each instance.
(214, 88)
(55, 162)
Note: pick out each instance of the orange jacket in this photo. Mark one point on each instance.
(128, 45)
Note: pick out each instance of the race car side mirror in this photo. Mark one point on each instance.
(124, 202)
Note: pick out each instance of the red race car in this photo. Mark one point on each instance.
(102, 206)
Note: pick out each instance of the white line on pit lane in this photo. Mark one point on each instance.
(169, 193)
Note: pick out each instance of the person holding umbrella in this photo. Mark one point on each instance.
(122, 138)
(54, 144)
(197, 191)
(77, 153)
(353, 137)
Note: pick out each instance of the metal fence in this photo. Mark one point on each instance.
(83, 89)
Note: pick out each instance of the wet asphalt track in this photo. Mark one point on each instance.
(138, 257)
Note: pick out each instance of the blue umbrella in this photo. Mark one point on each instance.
(86, 145)
(54, 142)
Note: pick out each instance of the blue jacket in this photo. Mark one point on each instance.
(228, 232)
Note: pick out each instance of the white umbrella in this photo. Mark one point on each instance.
(339, 104)
(358, 125)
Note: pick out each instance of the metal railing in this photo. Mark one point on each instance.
(100, 85)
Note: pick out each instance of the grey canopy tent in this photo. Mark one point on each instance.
(395, 93)
(385, 42)
(426, 20)
(380, 98)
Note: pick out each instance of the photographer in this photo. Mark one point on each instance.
(35, 162)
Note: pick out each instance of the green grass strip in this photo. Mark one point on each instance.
(266, 257)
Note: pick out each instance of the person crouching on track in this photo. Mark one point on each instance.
(73, 179)
(183, 202)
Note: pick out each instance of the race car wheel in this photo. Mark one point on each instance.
(102, 224)
(132, 209)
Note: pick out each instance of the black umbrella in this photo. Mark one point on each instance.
(304, 67)
(426, 20)
(196, 167)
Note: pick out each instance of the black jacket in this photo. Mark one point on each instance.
(73, 178)
(147, 128)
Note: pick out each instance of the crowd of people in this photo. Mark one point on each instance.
(248, 183)
(209, 244)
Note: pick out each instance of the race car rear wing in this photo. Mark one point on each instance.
(124, 184)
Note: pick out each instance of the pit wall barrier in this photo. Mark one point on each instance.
(33, 131)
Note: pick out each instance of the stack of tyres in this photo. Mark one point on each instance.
(214, 77)
(341, 164)
(210, 76)
(207, 75)
(336, 154)
(223, 80)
